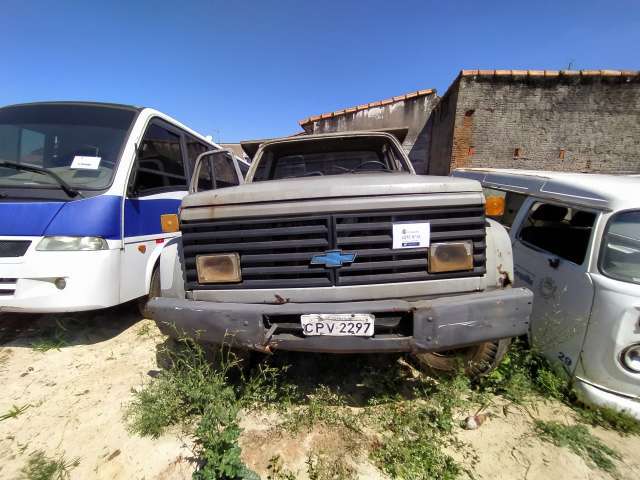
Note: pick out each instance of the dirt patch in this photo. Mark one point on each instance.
(76, 395)
(70, 400)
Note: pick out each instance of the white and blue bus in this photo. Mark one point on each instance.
(85, 192)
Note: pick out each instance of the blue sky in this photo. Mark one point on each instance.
(240, 70)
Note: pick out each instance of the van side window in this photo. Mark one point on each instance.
(205, 179)
(560, 230)
(244, 168)
(506, 205)
(225, 171)
(160, 163)
(620, 254)
(194, 148)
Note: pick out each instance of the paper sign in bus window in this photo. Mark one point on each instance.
(86, 163)
(411, 235)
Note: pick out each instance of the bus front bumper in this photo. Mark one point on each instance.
(436, 324)
(50, 282)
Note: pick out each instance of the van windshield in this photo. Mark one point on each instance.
(78, 143)
(621, 247)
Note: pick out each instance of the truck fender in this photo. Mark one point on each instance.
(499, 256)
(171, 269)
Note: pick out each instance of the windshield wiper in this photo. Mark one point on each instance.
(68, 189)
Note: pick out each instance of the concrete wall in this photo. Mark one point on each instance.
(570, 121)
(441, 125)
(410, 112)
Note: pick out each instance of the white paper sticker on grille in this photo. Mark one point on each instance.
(411, 235)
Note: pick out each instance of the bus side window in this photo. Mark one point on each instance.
(224, 171)
(160, 164)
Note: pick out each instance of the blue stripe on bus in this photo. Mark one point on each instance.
(27, 218)
(142, 217)
(97, 216)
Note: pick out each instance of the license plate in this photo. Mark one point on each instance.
(338, 324)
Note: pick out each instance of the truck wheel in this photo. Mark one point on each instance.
(475, 360)
(154, 291)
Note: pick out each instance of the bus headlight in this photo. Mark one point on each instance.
(450, 256)
(68, 244)
(631, 358)
(218, 268)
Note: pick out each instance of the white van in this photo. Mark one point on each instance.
(89, 194)
(576, 245)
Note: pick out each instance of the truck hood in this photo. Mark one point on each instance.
(332, 186)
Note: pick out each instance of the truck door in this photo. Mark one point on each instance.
(550, 248)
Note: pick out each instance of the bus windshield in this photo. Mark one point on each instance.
(80, 144)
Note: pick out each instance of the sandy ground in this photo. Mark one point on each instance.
(77, 395)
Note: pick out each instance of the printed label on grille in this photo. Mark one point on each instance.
(411, 235)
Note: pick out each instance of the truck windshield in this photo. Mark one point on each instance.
(80, 144)
(329, 156)
(621, 247)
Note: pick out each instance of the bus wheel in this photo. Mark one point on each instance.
(474, 361)
(154, 291)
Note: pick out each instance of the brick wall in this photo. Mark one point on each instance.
(571, 121)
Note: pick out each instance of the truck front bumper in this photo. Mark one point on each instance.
(437, 324)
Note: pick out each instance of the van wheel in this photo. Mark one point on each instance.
(475, 360)
(154, 291)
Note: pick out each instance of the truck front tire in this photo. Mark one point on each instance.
(475, 361)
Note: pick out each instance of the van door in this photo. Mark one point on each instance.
(614, 328)
(550, 253)
(157, 183)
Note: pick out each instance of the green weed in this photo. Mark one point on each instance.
(14, 411)
(415, 432)
(321, 466)
(41, 467)
(580, 441)
(145, 329)
(276, 470)
(322, 407)
(53, 339)
(197, 392)
(610, 419)
(524, 376)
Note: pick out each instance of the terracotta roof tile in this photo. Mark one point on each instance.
(365, 106)
(549, 73)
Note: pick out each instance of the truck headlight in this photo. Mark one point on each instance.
(451, 256)
(67, 244)
(631, 358)
(218, 268)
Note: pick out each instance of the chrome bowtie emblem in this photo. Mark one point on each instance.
(333, 259)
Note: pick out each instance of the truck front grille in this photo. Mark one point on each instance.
(276, 252)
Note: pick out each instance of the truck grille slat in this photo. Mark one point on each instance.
(276, 252)
(267, 246)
